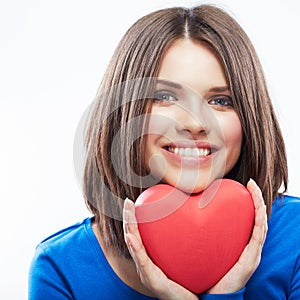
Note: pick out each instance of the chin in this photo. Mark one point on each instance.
(187, 188)
(188, 184)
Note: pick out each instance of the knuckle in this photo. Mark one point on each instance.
(143, 263)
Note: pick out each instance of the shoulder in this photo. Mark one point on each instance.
(279, 266)
(56, 259)
(287, 204)
(65, 240)
(285, 218)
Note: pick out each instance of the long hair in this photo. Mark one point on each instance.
(114, 161)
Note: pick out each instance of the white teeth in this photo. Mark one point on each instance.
(203, 152)
(181, 151)
(195, 152)
(190, 151)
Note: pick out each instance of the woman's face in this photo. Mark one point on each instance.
(194, 134)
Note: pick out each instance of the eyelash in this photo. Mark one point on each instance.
(228, 101)
(158, 96)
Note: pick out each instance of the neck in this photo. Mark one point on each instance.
(124, 268)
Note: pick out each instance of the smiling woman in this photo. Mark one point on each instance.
(198, 134)
(183, 102)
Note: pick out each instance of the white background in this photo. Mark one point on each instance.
(53, 56)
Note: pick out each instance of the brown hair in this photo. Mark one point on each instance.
(112, 164)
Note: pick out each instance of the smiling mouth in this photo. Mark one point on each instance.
(190, 152)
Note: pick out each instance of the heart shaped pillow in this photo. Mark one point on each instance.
(195, 239)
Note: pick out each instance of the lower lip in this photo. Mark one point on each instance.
(188, 161)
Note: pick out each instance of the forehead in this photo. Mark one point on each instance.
(192, 64)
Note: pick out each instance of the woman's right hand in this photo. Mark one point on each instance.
(240, 273)
(150, 275)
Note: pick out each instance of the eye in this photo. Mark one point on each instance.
(164, 96)
(221, 101)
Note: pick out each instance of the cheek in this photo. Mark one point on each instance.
(160, 124)
(233, 135)
(157, 127)
(160, 120)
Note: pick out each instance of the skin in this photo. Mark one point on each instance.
(197, 113)
(199, 70)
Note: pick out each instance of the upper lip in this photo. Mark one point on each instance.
(192, 144)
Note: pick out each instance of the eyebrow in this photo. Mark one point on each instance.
(169, 83)
(219, 89)
(216, 89)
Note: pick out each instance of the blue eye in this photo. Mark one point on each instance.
(164, 96)
(221, 101)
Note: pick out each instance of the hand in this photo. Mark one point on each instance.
(240, 273)
(151, 275)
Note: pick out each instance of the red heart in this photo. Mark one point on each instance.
(195, 239)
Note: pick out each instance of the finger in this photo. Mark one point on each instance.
(253, 250)
(251, 256)
(133, 238)
(256, 194)
(129, 220)
(258, 204)
(138, 252)
(259, 229)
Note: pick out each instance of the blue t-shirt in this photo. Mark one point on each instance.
(71, 265)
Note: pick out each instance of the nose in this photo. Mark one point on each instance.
(193, 120)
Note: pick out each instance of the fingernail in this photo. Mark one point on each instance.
(127, 200)
(252, 181)
(126, 228)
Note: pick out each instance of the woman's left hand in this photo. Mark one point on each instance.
(150, 275)
(240, 273)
